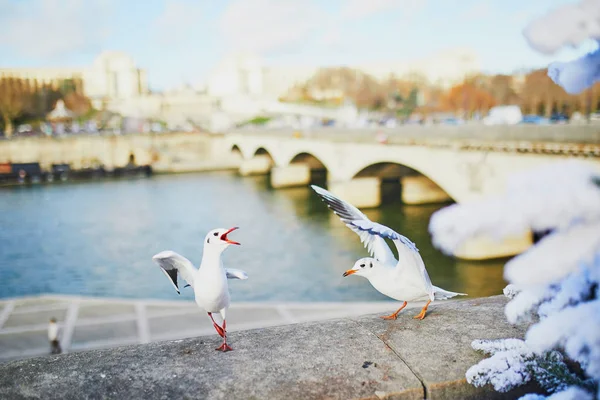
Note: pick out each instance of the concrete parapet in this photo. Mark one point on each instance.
(292, 175)
(257, 165)
(83, 151)
(422, 190)
(361, 192)
(350, 358)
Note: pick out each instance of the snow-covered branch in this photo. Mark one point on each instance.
(569, 25)
(554, 196)
(556, 283)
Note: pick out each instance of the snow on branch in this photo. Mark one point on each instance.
(576, 329)
(553, 196)
(577, 75)
(555, 256)
(513, 363)
(555, 284)
(569, 25)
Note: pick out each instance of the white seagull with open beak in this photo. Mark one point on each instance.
(405, 279)
(209, 281)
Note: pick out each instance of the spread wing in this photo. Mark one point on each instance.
(372, 235)
(235, 273)
(408, 253)
(172, 263)
(354, 219)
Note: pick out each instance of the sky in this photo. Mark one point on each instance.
(182, 41)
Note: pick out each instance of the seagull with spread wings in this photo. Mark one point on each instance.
(405, 279)
(209, 282)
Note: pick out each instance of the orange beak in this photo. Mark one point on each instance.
(349, 272)
(224, 236)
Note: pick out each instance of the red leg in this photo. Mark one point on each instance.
(224, 347)
(220, 331)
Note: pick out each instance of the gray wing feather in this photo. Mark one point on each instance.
(353, 218)
(235, 274)
(172, 263)
(373, 235)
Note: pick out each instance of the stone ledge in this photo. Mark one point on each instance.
(350, 358)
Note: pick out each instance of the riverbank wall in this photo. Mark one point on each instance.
(361, 357)
(166, 153)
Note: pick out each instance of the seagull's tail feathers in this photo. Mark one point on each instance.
(441, 294)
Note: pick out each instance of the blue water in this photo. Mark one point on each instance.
(98, 239)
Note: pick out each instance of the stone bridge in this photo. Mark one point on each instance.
(430, 168)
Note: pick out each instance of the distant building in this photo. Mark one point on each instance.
(236, 75)
(246, 74)
(444, 69)
(112, 76)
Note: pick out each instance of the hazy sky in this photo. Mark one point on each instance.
(180, 41)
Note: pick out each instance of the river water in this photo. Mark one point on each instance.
(98, 239)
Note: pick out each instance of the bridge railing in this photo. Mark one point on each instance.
(580, 134)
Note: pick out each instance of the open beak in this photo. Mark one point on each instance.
(349, 272)
(224, 236)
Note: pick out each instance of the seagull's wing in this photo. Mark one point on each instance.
(356, 220)
(235, 274)
(408, 254)
(171, 263)
(373, 234)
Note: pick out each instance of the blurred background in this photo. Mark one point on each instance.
(401, 106)
(195, 65)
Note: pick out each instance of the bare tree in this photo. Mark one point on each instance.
(77, 103)
(13, 101)
(469, 97)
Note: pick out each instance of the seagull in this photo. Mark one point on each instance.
(405, 279)
(209, 281)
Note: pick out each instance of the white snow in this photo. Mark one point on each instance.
(572, 393)
(557, 281)
(555, 256)
(555, 195)
(511, 290)
(576, 329)
(524, 303)
(577, 75)
(569, 26)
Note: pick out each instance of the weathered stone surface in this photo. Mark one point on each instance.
(438, 348)
(308, 361)
(359, 358)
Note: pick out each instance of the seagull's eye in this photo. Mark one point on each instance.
(362, 265)
(216, 233)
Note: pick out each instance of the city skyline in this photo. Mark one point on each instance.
(180, 41)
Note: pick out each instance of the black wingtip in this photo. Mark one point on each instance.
(173, 275)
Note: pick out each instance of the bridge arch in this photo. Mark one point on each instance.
(263, 152)
(385, 169)
(237, 152)
(396, 178)
(307, 158)
(318, 169)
